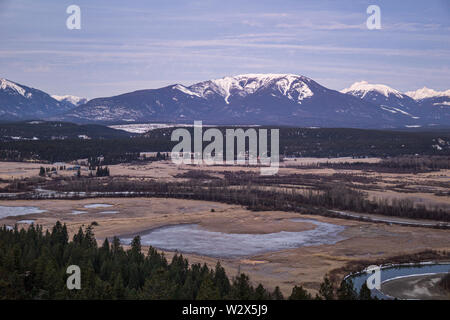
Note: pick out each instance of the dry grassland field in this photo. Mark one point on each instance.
(323, 243)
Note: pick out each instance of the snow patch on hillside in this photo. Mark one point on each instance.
(76, 101)
(185, 90)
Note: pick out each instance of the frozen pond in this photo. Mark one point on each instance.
(98, 205)
(77, 212)
(191, 238)
(6, 211)
(109, 212)
(26, 221)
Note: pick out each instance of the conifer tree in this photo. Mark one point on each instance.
(326, 290)
(298, 293)
(364, 293)
(346, 291)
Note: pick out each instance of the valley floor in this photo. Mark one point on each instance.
(305, 265)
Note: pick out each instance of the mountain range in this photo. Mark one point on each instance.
(19, 102)
(266, 99)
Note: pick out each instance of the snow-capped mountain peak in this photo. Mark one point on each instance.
(76, 101)
(292, 86)
(362, 88)
(427, 93)
(9, 85)
(19, 102)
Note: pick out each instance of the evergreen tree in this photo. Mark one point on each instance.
(298, 293)
(221, 280)
(241, 288)
(277, 295)
(364, 293)
(261, 293)
(346, 291)
(207, 290)
(326, 290)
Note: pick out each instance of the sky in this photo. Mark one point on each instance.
(124, 46)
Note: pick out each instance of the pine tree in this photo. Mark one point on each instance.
(261, 293)
(116, 248)
(89, 238)
(241, 288)
(277, 295)
(207, 290)
(136, 248)
(364, 293)
(298, 293)
(221, 280)
(326, 290)
(118, 288)
(346, 291)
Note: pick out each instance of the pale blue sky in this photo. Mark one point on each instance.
(128, 45)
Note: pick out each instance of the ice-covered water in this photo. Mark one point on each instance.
(6, 211)
(97, 205)
(388, 273)
(26, 221)
(77, 212)
(191, 238)
(109, 212)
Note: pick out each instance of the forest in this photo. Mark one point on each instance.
(294, 142)
(54, 130)
(34, 263)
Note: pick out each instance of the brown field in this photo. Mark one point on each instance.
(20, 170)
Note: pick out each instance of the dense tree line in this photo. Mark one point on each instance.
(344, 142)
(334, 196)
(51, 130)
(112, 150)
(400, 164)
(102, 172)
(300, 142)
(33, 265)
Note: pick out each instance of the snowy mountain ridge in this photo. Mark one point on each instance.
(425, 93)
(293, 86)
